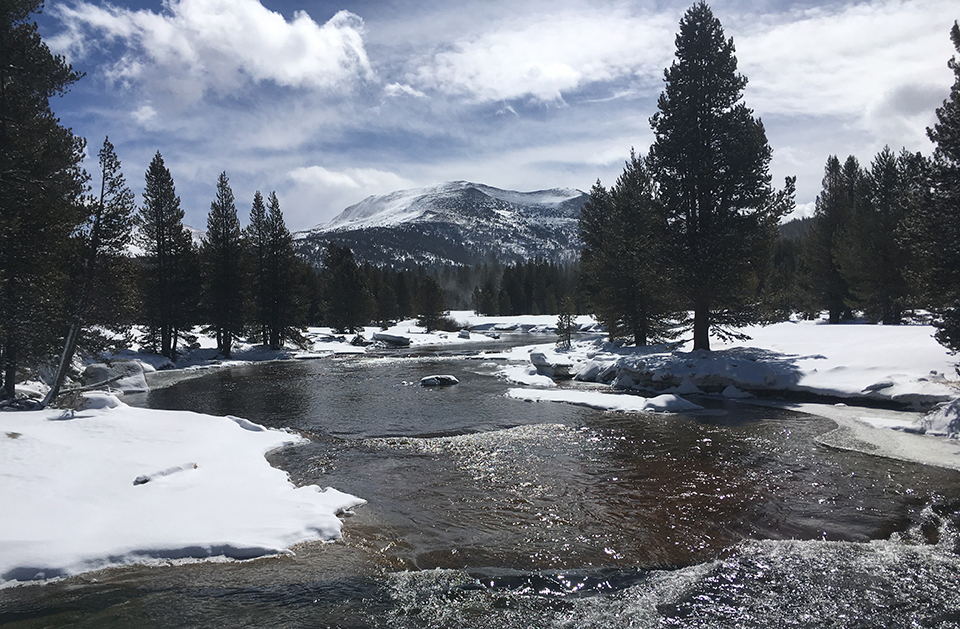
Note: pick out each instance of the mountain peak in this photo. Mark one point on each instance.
(405, 206)
(456, 222)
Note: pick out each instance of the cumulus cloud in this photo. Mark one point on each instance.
(546, 56)
(316, 194)
(848, 61)
(198, 46)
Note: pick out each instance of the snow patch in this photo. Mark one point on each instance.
(69, 502)
(666, 403)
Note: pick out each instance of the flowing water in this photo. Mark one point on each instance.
(485, 511)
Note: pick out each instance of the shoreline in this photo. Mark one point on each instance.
(878, 432)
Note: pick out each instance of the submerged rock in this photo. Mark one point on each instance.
(438, 381)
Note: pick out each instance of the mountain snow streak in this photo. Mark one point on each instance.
(454, 223)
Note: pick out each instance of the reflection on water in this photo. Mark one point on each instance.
(488, 511)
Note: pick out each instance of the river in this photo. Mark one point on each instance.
(485, 511)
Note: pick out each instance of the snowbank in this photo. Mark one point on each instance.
(666, 403)
(70, 501)
(898, 364)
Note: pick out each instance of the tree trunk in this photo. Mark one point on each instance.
(9, 370)
(701, 326)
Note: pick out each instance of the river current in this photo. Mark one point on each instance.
(484, 511)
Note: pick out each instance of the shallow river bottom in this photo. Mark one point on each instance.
(489, 512)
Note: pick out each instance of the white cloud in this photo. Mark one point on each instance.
(316, 194)
(402, 89)
(878, 65)
(218, 45)
(545, 56)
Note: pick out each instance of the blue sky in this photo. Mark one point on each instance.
(328, 103)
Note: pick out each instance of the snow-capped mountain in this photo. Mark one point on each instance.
(454, 223)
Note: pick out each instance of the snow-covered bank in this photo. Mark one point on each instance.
(120, 485)
(895, 364)
(323, 341)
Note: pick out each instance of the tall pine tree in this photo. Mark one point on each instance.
(104, 267)
(257, 239)
(710, 160)
(285, 308)
(41, 183)
(935, 225)
(223, 260)
(170, 272)
(348, 304)
(832, 220)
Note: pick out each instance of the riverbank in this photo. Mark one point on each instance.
(112, 485)
(892, 390)
(71, 500)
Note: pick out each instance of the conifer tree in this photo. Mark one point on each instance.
(832, 219)
(872, 258)
(222, 253)
(257, 239)
(935, 224)
(432, 304)
(169, 261)
(103, 267)
(285, 306)
(41, 183)
(710, 161)
(348, 303)
(626, 270)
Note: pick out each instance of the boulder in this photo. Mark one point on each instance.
(553, 369)
(130, 372)
(438, 381)
(394, 340)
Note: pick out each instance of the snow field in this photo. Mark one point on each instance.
(74, 499)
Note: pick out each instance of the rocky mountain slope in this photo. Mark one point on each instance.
(454, 223)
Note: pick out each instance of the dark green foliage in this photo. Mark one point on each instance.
(836, 206)
(348, 304)
(710, 160)
(874, 260)
(285, 307)
(170, 262)
(432, 306)
(41, 183)
(625, 268)
(566, 322)
(257, 244)
(222, 254)
(102, 293)
(934, 226)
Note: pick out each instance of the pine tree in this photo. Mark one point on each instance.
(286, 314)
(223, 254)
(41, 183)
(168, 296)
(832, 219)
(432, 304)
(710, 161)
(935, 225)
(566, 322)
(626, 269)
(348, 303)
(257, 239)
(872, 258)
(104, 265)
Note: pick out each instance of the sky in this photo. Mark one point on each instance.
(328, 103)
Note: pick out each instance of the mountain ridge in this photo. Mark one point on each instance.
(457, 222)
